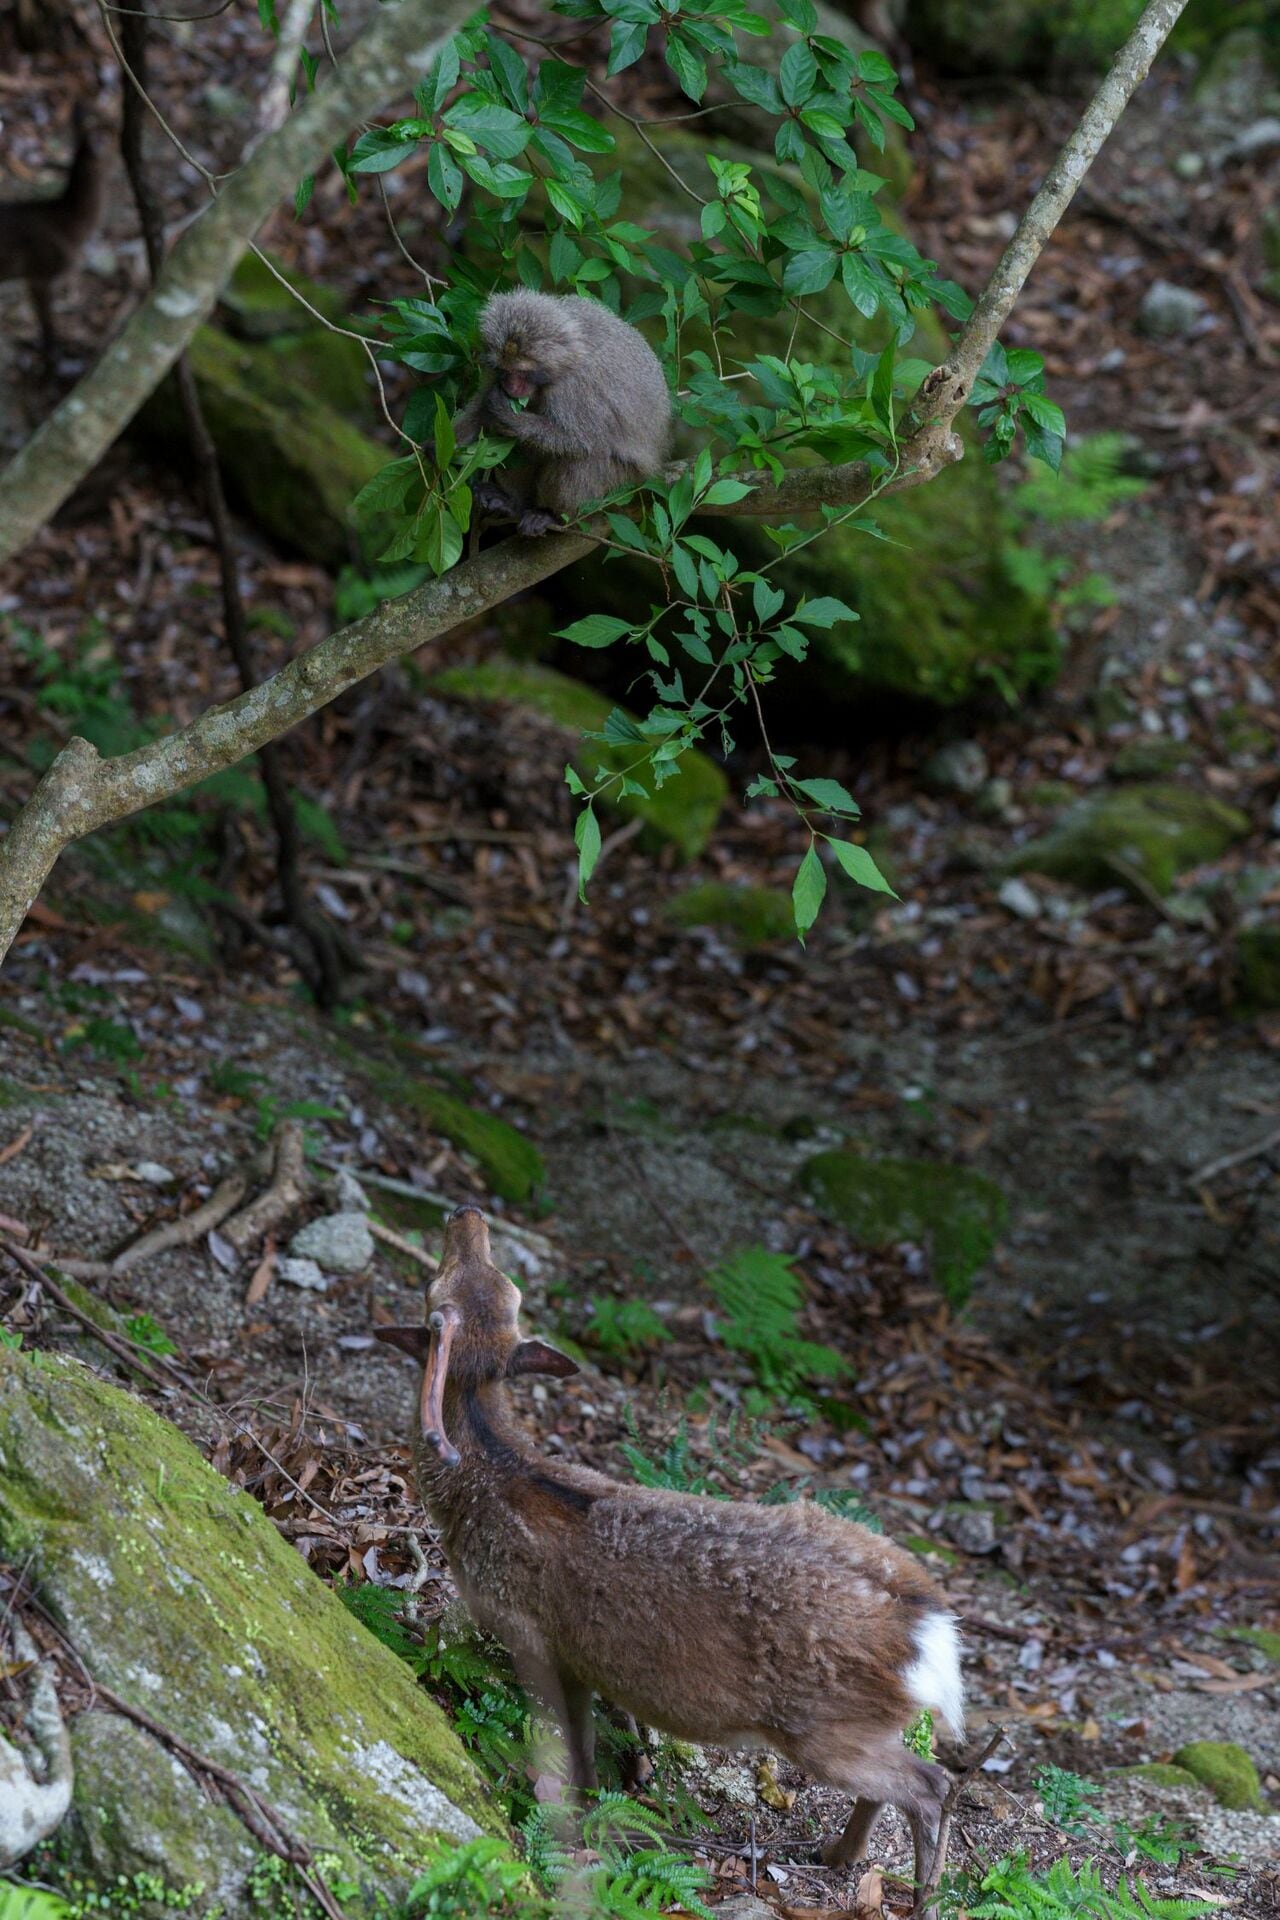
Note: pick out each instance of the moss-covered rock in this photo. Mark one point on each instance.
(292, 462)
(755, 916)
(1159, 1773)
(257, 306)
(180, 1595)
(1031, 36)
(957, 1213)
(684, 811)
(1228, 1772)
(1154, 830)
(1258, 952)
(1146, 759)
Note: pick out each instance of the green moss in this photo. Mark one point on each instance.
(1156, 831)
(755, 916)
(1228, 1772)
(1150, 759)
(508, 1158)
(1261, 1637)
(682, 812)
(181, 1596)
(1259, 956)
(257, 307)
(1159, 1773)
(294, 463)
(958, 1213)
(332, 366)
(1034, 36)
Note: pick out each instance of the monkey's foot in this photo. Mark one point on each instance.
(536, 520)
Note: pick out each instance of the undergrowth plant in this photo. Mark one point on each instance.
(759, 1298)
(800, 236)
(1011, 1889)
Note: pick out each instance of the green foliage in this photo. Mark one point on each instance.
(1087, 488)
(18, 1902)
(1156, 1838)
(270, 1112)
(109, 1039)
(70, 1897)
(629, 1880)
(545, 210)
(759, 1298)
(148, 1333)
(79, 687)
(623, 1328)
(1012, 1890)
(918, 1737)
(732, 1446)
(380, 1609)
(842, 1501)
(478, 1876)
(1067, 1798)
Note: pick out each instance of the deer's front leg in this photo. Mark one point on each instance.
(579, 1734)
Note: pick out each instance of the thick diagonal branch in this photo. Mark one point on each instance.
(396, 50)
(80, 792)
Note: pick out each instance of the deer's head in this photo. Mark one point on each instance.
(471, 1334)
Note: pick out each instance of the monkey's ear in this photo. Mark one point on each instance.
(535, 1356)
(415, 1341)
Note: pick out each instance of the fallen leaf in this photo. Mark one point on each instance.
(263, 1275)
(771, 1791)
(868, 1899)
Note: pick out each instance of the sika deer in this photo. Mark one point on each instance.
(724, 1623)
(40, 240)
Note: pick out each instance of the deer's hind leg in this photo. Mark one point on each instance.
(852, 1843)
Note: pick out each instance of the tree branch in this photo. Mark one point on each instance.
(80, 792)
(395, 50)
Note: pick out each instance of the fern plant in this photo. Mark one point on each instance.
(1012, 1890)
(759, 1298)
(732, 1445)
(380, 1609)
(19, 1902)
(479, 1876)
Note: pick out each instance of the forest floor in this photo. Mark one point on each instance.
(1086, 1455)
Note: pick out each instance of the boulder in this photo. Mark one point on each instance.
(958, 1214)
(753, 916)
(179, 1594)
(1147, 833)
(1227, 1770)
(291, 461)
(1168, 311)
(683, 812)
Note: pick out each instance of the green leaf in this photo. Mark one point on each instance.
(1045, 413)
(498, 130)
(766, 600)
(565, 256)
(597, 630)
(377, 152)
(685, 570)
(510, 70)
(823, 612)
(798, 74)
(723, 493)
(444, 176)
(302, 198)
(809, 271)
(882, 388)
(859, 866)
(580, 130)
(808, 891)
(387, 488)
(829, 794)
(627, 41)
(688, 65)
(621, 729)
(861, 284)
(445, 441)
(558, 85)
(587, 835)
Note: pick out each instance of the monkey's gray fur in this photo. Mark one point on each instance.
(598, 414)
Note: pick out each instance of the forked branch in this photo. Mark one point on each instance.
(80, 792)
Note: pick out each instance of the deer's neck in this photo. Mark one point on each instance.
(501, 1486)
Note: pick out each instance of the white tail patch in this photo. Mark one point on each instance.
(933, 1678)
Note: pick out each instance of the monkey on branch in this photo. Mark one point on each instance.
(580, 392)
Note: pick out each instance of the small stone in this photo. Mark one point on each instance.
(1168, 311)
(351, 1196)
(1019, 899)
(973, 1529)
(995, 798)
(1189, 166)
(959, 767)
(338, 1242)
(301, 1273)
(1260, 137)
(153, 1173)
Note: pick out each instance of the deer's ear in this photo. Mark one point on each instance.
(415, 1341)
(535, 1356)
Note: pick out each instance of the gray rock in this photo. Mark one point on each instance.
(1259, 137)
(1189, 166)
(959, 767)
(338, 1242)
(153, 1173)
(301, 1273)
(1019, 899)
(1169, 311)
(350, 1195)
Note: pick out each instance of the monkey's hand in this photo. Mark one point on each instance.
(537, 520)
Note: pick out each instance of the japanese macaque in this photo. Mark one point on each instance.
(40, 240)
(723, 1622)
(582, 395)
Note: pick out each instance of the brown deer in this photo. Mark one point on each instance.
(40, 240)
(725, 1623)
